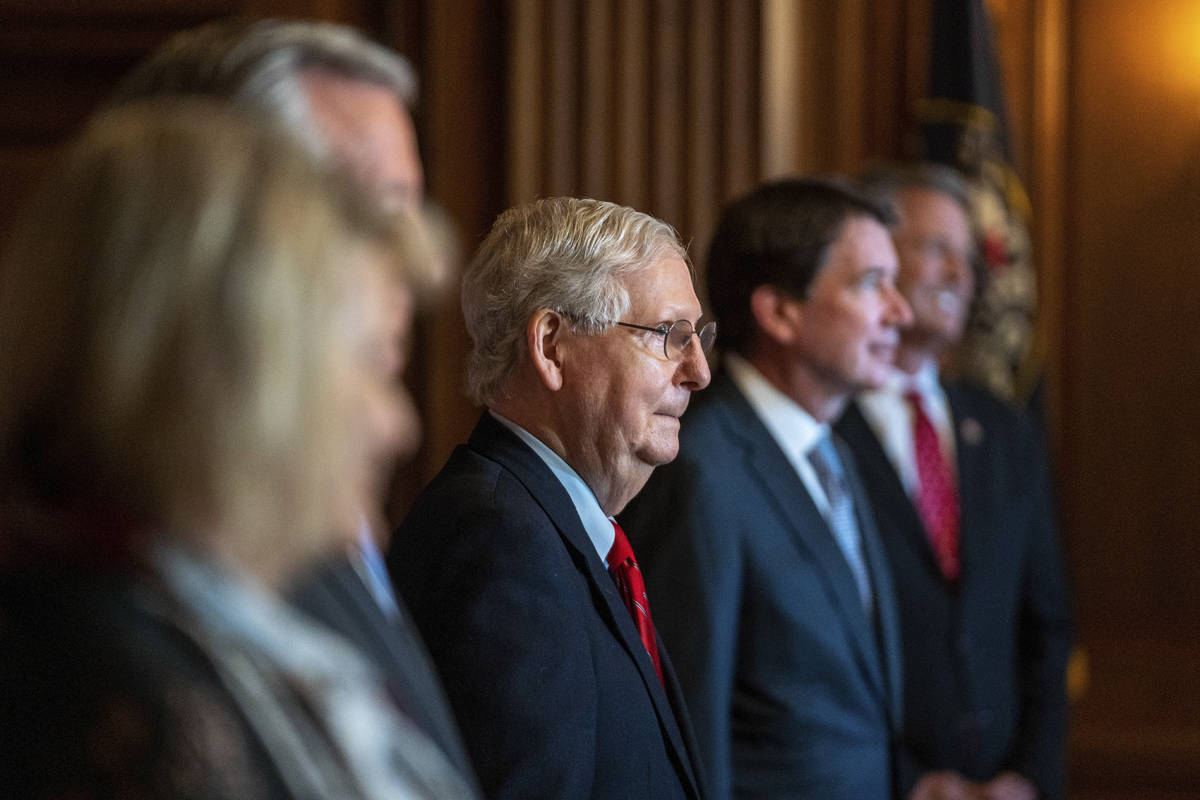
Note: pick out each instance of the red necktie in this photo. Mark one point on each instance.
(625, 573)
(937, 500)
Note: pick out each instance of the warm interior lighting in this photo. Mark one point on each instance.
(1175, 30)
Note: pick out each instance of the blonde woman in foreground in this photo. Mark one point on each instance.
(197, 336)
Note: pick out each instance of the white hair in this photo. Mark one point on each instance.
(561, 253)
(258, 66)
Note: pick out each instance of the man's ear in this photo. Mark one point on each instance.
(777, 313)
(543, 337)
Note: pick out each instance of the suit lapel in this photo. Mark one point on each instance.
(778, 477)
(500, 444)
(886, 607)
(972, 477)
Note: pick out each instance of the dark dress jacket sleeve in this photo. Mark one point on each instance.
(985, 659)
(553, 691)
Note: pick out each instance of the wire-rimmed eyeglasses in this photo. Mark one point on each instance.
(678, 335)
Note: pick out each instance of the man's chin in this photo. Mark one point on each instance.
(660, 453)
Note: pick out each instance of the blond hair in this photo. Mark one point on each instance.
(174, 312)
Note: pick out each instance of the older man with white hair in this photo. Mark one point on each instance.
(588, 342)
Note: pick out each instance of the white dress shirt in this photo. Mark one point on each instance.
(792, 428)
(597, 524)
(891, 418)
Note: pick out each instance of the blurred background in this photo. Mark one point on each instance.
(675, 106)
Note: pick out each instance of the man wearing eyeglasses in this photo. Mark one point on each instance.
(587, 344)
(769, 580)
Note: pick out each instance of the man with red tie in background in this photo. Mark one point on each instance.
(587, 345)
(959, 487)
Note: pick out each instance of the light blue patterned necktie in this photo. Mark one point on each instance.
(824, 459)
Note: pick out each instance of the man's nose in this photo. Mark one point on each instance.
(694, 366)
(899, 312)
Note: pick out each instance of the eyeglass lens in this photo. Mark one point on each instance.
(680, 335)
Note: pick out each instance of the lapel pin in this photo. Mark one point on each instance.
(971, 431)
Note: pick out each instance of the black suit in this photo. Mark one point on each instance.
(984, 662)
(334, 594)
(794, 692)
(553, 689)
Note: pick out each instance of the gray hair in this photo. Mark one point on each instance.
(884, 182)
(566, 254)
(258, 67)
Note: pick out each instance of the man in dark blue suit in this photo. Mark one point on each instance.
(959, 487)
(769, 581)
(587, 346)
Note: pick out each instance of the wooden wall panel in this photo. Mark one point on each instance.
(667, 147)
(741, 94)
(58, 61)
(599, 100)
(675, 106)
(1131, 375)
(648, 103)
(630, 114)
(459, 49)
(524, 89)
(702, 127)
(562, 33)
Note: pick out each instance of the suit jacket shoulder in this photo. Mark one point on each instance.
(998, 640)
(554, 693)
(792, 691)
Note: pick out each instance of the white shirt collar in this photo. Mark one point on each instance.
(891, 418)
(783, 416)
(794, 430)
(596, 523)
(925, 381)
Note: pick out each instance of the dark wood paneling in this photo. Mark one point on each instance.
(1130, 465)
(464, 115)
(57, 63)
(659, 105)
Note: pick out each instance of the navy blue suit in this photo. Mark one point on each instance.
(554, 692)
(793, 688)
(984, 661)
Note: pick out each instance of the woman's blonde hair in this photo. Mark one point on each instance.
(176, 321)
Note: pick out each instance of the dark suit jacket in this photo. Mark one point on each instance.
(335, 595)
(101, 697)
(554, 692)
(793, 690)
(985, 662)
